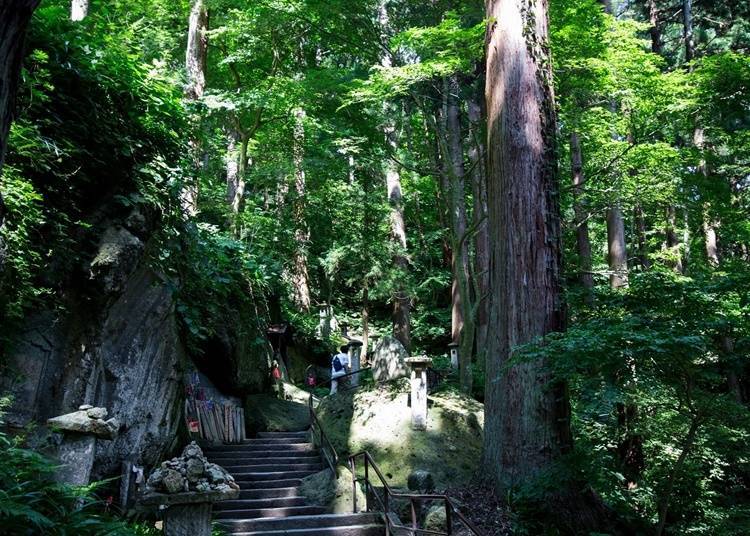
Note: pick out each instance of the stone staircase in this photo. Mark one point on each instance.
(269, 470)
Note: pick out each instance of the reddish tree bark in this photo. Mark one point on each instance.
(527, 425)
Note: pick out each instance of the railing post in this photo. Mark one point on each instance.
(367, 486)
(413, 513)
(448, 517)
(353, 468)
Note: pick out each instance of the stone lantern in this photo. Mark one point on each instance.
(453, 350)
(80, 431)
(186, 487)
(419, 366)
(355, 354)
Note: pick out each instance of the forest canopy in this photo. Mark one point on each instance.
(588, 231)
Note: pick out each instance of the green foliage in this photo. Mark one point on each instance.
(663, 351)
(98, 125)
(33, 502)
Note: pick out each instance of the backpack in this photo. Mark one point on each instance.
(337, 366)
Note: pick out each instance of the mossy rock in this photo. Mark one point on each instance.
(265, 413)
(379, 421)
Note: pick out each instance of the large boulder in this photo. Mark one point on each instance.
(388, 360)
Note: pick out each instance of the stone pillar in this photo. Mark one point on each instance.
(355, 354)
(453, 350)
(193, 519)
(419, 366)
(80, 430)
(76, 456)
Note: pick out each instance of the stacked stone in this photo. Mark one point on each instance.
(191, 472)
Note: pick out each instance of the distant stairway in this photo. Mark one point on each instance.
(269, 471)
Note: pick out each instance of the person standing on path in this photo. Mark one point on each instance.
(339, 367)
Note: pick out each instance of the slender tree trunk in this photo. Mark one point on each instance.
(481, 239)
(655, 29)
(365, 318)
(79, 10)
(687, 29)
(617, 252)
(195, 69)
(583, 243)
(462, 303)
(300, 277)
(640, 229)
(401, 299)
(14, 18)
(709, 223)
(666, 496)
(196, 51)
(238, 189)
(672, 242)
(527, 426)
(232, 163)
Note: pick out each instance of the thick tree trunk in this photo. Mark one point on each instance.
(617, 252)
(300, 277)
(527, 412)
(14, 18)
(79, 10)
(583, 243)
(527, 424)
(481, 239)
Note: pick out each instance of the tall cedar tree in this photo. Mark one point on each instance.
(528, 414)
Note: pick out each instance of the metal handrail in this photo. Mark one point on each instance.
(385, 502)
(330, 455)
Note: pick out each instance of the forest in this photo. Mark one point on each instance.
(559, 189)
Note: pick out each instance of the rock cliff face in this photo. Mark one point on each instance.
(128, 358)
(116, 343)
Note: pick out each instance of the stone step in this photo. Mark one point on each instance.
(269, 493)
(348, 530)
(254, 447)
(272, 468)
(268, 475)
(289, 511)
(224, 457)
(276, 462)
(320, 521)
(255, 504)
(275, 441)
(304, 435)
(268, 484)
